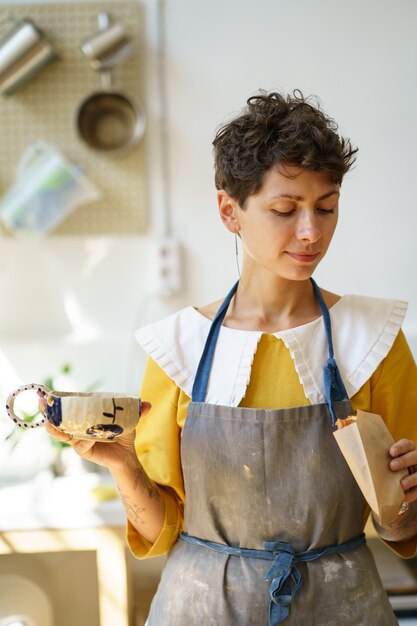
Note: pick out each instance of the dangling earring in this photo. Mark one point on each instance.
(237, 255)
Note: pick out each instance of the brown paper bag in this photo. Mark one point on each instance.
(365, 444)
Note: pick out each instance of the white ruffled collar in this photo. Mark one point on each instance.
(363, 329)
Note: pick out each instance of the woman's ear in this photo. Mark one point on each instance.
(228, 211)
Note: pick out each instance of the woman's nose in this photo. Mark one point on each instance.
(308, 228)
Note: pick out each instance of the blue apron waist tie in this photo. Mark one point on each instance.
(283, 575)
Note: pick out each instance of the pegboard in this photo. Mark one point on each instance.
(46, 109)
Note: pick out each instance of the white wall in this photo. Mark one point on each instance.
(79, 299)
(360, 58)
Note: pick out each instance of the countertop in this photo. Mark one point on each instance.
(81, 500)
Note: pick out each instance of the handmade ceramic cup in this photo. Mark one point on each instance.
(99, 416)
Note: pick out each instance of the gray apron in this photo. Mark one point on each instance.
(273, 519)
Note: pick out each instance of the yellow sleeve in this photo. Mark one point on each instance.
(158, 440)
(392, 393)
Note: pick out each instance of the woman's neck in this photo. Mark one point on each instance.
(272, 304)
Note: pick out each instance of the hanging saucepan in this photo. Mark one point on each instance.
(109, 120)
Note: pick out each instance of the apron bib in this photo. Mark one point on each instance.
(273, 517)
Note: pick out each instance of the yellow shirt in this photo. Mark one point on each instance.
(391, 392)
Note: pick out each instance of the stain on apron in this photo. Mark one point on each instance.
(255, 477)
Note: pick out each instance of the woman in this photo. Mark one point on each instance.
(237, 453)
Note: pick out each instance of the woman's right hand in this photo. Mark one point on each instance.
(141, 497)
(114, 455)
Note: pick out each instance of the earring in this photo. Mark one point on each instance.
(237, 255)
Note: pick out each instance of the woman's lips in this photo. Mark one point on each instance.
(304, 258)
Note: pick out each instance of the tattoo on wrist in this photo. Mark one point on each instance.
(401, 528)
(404, 522)
(133, 510)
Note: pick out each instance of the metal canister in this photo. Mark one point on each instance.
(24, 51)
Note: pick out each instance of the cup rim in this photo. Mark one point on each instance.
(92, 394)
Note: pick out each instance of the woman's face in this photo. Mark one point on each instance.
(286, 228)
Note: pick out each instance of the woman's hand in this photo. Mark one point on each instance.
(404, 526)
(114, 454)
(404, 456)
(141, 497)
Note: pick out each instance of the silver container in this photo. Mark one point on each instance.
(109, 120)
(24, 52)
(109, 46)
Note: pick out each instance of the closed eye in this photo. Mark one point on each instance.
(283, 213)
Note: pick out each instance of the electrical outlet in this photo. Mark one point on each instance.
(169, 267)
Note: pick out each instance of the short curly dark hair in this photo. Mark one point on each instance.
(274, 129)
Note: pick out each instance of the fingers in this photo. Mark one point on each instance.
(42, 404)
(145, 408)
(409, 484)
(402, 446)
(405, 457)
(83, 447)
(410, 495)
(57, 434)
(405, 461)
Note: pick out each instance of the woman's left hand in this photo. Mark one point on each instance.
(404, 456)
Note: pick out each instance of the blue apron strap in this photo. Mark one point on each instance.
(334, 388)
(283, 575)
(204, 367)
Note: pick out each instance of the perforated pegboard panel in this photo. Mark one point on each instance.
(46, 109)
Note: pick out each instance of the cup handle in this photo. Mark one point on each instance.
(10, 405)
